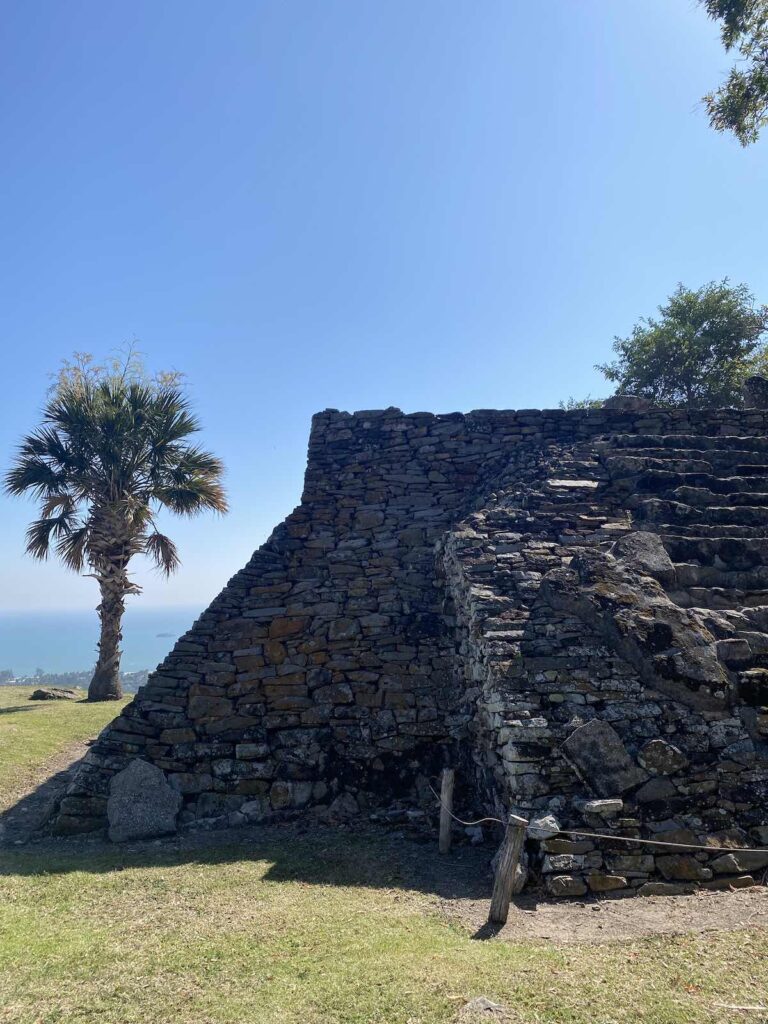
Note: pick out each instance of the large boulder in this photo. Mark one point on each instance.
(141, 803)
(602, 760)
(646, 553)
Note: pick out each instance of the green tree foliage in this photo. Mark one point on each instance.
(112, 450)
(698, 352)
(580, 403)
(740, 105)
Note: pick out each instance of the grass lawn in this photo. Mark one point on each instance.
(32, 732)
(317, 931)
(280, 928)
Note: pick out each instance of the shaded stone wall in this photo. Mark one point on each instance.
(394, 621)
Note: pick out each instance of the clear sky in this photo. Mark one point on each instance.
(434, 204)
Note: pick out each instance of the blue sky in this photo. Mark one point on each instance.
(347, 203)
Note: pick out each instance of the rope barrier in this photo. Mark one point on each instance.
(460, 820)
(615, 838)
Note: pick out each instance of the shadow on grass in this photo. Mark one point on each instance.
(20, 707)
(294, 852)
(33, 810)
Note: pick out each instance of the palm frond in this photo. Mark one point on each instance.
(33, 475)
(40, 532)
(72, 548)
(196, 460)
(47, 443)
(63, 502)
(195, 496)
(163, 552)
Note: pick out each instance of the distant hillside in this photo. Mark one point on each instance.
(131, 681)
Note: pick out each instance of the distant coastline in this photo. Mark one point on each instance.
(130, 681)
(64, 642)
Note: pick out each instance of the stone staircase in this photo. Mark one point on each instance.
(557, 637)
(707, 499)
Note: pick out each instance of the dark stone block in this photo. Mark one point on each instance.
(596, 750)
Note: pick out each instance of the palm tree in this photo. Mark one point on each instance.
(112, 450)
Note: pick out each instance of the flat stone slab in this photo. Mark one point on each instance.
(54, 693)
(601, 758)
(141, 803)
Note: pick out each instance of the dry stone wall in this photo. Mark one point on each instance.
(452, 589)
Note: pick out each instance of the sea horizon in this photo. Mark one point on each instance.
(64, 640)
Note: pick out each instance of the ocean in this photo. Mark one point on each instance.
(66, 641)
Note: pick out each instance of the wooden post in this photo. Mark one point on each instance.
(509, 857)
(446, 807)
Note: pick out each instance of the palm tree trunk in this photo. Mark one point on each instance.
(105, 684)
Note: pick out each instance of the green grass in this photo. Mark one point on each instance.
(32, 732)
(311, 931)
(290, 929)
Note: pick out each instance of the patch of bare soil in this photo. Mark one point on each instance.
(611, 919)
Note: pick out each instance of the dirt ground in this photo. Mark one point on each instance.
(602, 919)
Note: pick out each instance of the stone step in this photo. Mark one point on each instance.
(700, 442)
(668, 512)
(627, 467)
(692, 575)
(718, 597)
(568, 486)
(626, 470)
(703, 497)
(707, 531)
(660, 481)
(729, 553)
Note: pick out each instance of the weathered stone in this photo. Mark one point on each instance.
(281, 795)
(603, 808)
(344, 808)
(627, 403)
(730, 882)
(54, 693)
(599, 882)
(285, 627)
(738, 862)
(666, 889)
(646, 553)
(566, 885)
(141, 803)
(602, 759)
(557, 863)
(343, 629)
(658, 789)
(684, 868)
(567, 846)
(543, 828)
(256, 809)
(630, 864)
(661, 757)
